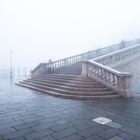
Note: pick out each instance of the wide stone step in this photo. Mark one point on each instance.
(86, 97)
(65, 87)
(75, 81)
(65, 77)
(62, 75)
(95, 85)
(59, 90)
(69, 71)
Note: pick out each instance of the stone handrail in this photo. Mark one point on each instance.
(117, 81)
(39, 69)
(114, 57)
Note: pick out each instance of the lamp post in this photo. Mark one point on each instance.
(11, 72)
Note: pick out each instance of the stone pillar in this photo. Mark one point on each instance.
(125, 87)
(84, 69)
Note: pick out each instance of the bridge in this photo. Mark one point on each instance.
(108, 72)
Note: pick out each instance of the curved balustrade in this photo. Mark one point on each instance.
(117, 81)
(119, 55)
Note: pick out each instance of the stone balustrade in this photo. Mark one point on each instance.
(99, 70)
(41, 68)
(52, 66)
(115, 80)
(119, 55)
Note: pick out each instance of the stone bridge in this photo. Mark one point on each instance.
(103, 73)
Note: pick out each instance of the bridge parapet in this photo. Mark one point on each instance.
(115, 57)
(100, 70)
(115, 80)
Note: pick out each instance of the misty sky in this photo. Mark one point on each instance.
(37, 30)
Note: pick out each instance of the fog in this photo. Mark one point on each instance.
(38, 30)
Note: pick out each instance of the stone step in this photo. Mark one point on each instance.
(65, 87)
(67, 72)
(61, 75)
(71, 70)
(67, 81)
(59, 90)
(67, 96)
(65, 76)
(70, 86)
(95, 85)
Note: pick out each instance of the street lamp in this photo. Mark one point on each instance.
(11, 72)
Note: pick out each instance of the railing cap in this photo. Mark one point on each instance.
(118, 51)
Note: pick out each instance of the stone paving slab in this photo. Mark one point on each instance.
(31, 115)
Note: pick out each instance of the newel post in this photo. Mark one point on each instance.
(124, 86)
(84, 69)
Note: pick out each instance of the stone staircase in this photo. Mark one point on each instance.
(76, 77)
(68, 86)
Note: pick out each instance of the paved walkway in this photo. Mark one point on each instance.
(30, 115)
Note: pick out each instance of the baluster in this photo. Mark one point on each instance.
(103, 74)
(60, 63)
(95, 70)
(54, 65)
(72, 59)
(116, 81)
(100, 72)
(108, 77)
(111, 79)
(105, 77)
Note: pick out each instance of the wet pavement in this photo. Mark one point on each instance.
(29, 115)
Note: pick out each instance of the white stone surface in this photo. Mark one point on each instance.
(102, 120)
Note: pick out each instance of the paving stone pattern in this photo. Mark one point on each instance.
(31, 115)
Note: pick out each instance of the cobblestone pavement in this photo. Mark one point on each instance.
(31, 115)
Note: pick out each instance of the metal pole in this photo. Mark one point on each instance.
(11, 72)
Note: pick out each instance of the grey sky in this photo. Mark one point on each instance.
(37, 30)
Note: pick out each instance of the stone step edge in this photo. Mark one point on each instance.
(69, 81)
(77, 97)
(65, 87)
(61, 75)
(109, 92)
(84, 79)
(97, 85)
